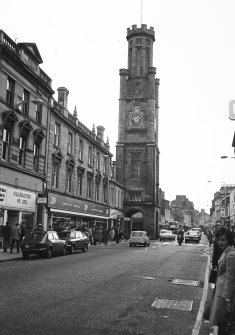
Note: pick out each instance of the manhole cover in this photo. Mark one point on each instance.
(185, 282)
(182, 305)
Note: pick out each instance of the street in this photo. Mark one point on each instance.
(107, 290)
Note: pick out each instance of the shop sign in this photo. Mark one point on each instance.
(42, 200)
(3, 194)
(18, 199)
(113, 214)
(70, 204)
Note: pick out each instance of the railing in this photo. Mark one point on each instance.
(6, 40)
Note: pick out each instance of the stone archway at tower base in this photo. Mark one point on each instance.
(143, 218)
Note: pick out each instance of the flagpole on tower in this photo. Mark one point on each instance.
(141, 11)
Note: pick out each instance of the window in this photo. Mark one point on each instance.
(97, 190)
(22, 149)
(89, 185)
(80, 150)
(57, 135)
(69, 176)
(97, 161)
(135, 165)
(90, 156)
(70, 142)
(135, 196)
(55, 175)
(105, 193)
(6, 144)
(36, 151)
(39, 113)
(79, 181)
(106, 160)
(26, 100)
(10, 92)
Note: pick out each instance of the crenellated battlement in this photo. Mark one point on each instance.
(143, 30)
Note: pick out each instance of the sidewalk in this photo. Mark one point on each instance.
(6, 256)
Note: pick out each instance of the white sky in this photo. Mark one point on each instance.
(83, 46)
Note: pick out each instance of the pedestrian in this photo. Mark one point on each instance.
(100, 235)
(105, 236)
(15, 237)
(49, 228)
(96, 235)
(116, 236)
(126, 235)
(22, 232)
(90, 235)
(6, 235)
(112, 234)
(222, 309)
(210, 238)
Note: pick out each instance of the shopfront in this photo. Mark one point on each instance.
(17, 205)
(66, 212)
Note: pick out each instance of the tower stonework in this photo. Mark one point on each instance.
(137, 153)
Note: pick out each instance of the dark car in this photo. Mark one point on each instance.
(192, 236)
(74, 240)
(42, 243)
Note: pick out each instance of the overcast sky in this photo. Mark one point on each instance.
(83, 45)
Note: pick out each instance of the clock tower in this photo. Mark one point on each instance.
(137, 153)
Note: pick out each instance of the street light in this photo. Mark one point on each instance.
(224, 157)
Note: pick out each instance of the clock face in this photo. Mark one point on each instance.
(135, 119)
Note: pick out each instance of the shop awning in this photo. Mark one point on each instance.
(78, 214)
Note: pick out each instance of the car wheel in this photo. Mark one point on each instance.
(49, 253)
(71, 251)
(87, 246)
(24, 255)
(84, 248)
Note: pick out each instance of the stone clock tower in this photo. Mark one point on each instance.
(137, 153)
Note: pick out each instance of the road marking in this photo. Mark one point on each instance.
(198, 322)
(182, 305)
(185, 282)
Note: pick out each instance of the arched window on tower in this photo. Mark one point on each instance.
(135, 165)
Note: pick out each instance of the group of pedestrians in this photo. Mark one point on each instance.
(98, 235)
(12, 235)
(222, 308)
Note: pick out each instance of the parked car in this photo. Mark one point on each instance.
(192, 236)
(139, 238)
(42, 243)
(74, 240)
(166, 235)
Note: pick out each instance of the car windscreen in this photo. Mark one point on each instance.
(35, 236)
(64, 234)
(141, 234)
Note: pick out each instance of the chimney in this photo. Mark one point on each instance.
(63, 96)
(100, 132)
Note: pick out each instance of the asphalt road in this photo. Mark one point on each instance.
(107, 290)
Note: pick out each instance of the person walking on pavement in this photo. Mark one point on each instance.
(15, 237)
(116, 236)
(112, 234)
(222, 309)
(105, 236)
(6, 234)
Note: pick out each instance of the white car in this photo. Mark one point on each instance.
(139, 237)
(166, 235)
